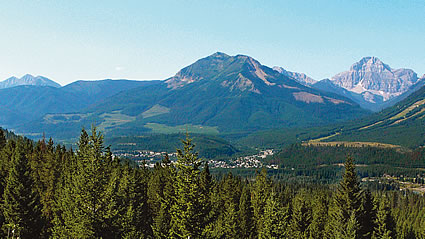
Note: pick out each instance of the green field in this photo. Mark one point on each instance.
(194, 129)
(155, 110)
(61, 118)
(114, 118)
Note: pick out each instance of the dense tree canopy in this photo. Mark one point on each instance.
(48, 191)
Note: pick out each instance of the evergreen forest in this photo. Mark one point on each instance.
(49, 191)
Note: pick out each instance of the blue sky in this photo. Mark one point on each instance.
(71, 40)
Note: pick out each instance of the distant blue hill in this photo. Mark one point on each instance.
(21, 104)
(28, 80)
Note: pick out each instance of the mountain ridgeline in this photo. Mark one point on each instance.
(25, 103)
(216, 94)
(373, 84)
(28, 80)
(402, 124)
(222, 95)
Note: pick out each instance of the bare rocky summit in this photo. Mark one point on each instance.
(28, 80)
(300, 77)
(375, 80)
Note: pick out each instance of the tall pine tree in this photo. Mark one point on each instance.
(2, 139)
(347, 201)
(21, 206)
(274, 220)
(301, 216)
(385, 228)
(246, 220)
(87, 206)
(187, 216)
(260, 193)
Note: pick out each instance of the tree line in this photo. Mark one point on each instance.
(48, 191)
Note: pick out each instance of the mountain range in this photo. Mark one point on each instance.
(402, 124)
(300, 77)
(218, 94)
(24, 103)
(376, 82)
(28, 80)
(369, 82)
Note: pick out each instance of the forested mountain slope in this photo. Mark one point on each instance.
(219, 93)
(22, 104)
(401, 124)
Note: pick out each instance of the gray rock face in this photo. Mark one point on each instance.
(28, 80)
(300, 77)
(374, 79)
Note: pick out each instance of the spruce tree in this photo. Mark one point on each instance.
(186, 214)
(367, 215)
(21, 206)
(87, 202)
(275, 220)
(135, 219)
(385, 228)
(347, 202)
(301, 216)
(2, 139)
(45, 161)
(260, 194)
(246, 222)
(230, 196)
(206, 184)
(161, 196)
(320, 215)
(352, 228)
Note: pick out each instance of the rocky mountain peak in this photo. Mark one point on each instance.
(370, 64)
(371, 75)
(300, 77)
(219, 55)
(28, 79)
(217, 64)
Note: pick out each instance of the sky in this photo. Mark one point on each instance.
(74, 40)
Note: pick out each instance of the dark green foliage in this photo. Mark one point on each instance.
(21, 208)
(275, 220)
(161, 197)
(246, 213)
(301, 216)
(347, 202)
(260, 193)
(135, 219)
(51, 192)
(99, 198)
(367, 215)
(2, 139)
(385, 226)
(187, 215)
(323, 163)
(208, 146)
(320, 207)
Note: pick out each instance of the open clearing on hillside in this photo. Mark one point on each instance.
(197, 129)
(114, 118)
(405, 118)
(63, 118)
(323, 138)
(352, 144)
(371, 125)
(155, 110)
(408, 109)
